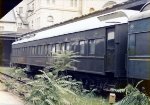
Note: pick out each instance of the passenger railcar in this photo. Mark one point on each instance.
(139, 45)
(100, 41)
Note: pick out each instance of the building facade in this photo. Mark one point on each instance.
(42, 13)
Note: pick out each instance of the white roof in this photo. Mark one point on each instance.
(82, 25)
(9, 17)
(140, 15)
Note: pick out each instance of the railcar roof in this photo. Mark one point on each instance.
(145, 13)
(117, 17)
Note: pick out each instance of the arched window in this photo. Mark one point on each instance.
(109, 4)
(50, 18)
(91, 10)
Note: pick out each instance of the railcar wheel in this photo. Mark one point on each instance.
(144, 86)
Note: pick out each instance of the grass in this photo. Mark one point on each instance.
(7, 70)
(73, 100)
(85, 100)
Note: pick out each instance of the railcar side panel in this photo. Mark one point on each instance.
(139, 49)
(121, 50)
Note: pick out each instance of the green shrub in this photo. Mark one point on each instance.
(133, 96)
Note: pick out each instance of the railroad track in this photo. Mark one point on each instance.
(8, 76)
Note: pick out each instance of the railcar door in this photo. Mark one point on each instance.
(110, 49)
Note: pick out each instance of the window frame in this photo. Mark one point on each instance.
(89, 47)
(82, 50)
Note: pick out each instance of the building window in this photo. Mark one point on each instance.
(50, 19)
(32, 24)
(33, 6)
(1, 28)
(53, 1)
(91, 10)
(38, 22)
(20, 10)
(19, 25)
(82, 47)
(73, 3)
(91, 47)
(48, 2)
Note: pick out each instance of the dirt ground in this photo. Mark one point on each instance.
(7, 98)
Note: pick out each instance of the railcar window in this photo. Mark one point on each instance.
(92, 47)
(15, 53)
(28, 50)
(82, 47)
(32, 50)
(22, 49)
(38, 50)
(49, 49)
(34, 53)
(110, 38)
(12, 51)
(75, 46)
(19, 51)
(42, 50)
(67, 46)
(57, 47)
(63, 47)
(99, 47)
(142, 44)
(53, 48)
(132, 44)
(35, 50)
(45, 49)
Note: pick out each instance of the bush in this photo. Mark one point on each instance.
(133, 96)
